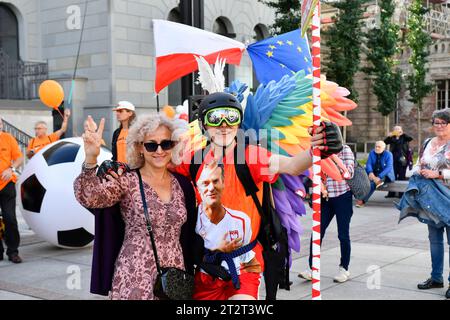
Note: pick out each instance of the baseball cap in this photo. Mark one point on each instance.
(124, 105)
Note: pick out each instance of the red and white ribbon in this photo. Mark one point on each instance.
(316, 155)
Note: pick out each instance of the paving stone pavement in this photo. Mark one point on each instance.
(387, 261)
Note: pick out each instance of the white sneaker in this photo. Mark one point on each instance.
(307, 274)
(342, 276)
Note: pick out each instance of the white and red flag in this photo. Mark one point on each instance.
(176, 45)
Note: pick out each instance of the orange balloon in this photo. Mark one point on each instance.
(51, 94)
(169, 111)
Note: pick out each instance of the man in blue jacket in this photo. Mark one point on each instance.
(380, 168)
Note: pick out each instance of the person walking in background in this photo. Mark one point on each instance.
(398, 143)
(337, 201)
(42, 139)
(428, 196)
(10, 159)
(380, 168)
(126, 115)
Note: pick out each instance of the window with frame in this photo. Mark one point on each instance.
(442, 94)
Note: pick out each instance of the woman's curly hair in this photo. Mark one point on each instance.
(147, 124)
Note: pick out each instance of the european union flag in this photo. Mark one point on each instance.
(280, 55)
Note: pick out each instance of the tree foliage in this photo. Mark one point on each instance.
(418, 41)
(288, 15)
(382, 47)
(344, 39)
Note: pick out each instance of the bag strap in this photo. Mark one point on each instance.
(147, 220)
(424, 146)
(246, 179)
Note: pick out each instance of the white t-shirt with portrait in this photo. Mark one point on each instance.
(235, 224)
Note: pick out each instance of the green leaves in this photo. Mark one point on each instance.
(418, 40)
(288, 15)
(382, 46)
(344, 40)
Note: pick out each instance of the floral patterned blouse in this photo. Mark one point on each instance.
(436, 158)
(135, 268)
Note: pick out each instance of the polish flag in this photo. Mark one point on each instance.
(176, 45)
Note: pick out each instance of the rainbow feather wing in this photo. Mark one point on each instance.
(284, 109)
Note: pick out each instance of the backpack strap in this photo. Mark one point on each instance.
(32, 143)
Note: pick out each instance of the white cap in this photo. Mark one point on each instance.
(125, 105)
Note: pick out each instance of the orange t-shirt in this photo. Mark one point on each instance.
(234, 196)
(38, 143)
(122, 146)
(9, 152)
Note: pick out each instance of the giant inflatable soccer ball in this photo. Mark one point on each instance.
(46, 196)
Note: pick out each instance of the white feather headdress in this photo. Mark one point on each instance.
(211, 80)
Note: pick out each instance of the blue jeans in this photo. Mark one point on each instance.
(373, 188)
(342, 208)
(436, 237)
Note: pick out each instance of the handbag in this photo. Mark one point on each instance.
(360, 183)
(403, 161)
(171, 283)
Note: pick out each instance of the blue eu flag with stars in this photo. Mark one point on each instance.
(280, 55)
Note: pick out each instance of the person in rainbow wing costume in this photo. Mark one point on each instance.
(280, 114)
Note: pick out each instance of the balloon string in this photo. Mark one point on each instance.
(59, 111)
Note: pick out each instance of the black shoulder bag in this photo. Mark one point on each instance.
(171, 283)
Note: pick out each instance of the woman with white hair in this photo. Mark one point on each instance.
(152, 144)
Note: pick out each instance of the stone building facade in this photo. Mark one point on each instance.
(368, 124)
(116, 60)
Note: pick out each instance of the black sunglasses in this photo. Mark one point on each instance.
(165, 145)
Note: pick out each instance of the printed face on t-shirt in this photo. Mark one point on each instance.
(211, 184)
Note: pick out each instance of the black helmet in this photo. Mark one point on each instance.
(216, 100)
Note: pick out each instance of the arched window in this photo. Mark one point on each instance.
(9, 32)
(260, 33)
(174, 89)
(223, 26)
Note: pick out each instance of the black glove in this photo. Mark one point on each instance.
(332, 139)
(109, 166)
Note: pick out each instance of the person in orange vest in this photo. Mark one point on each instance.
(126, 114)
(10, 159)
(42, 139)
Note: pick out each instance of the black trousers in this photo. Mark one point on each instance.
(8, 207)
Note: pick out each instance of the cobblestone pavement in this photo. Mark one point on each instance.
(388, 260)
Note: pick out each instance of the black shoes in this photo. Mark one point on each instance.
(14, 258)
(447, 294)
(430, 284)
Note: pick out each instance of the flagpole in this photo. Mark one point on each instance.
(316, 156)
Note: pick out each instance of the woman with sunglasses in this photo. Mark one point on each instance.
(151, 147)
(428, 195)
